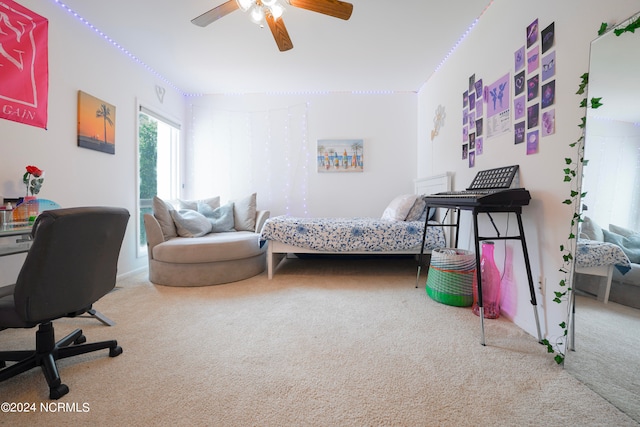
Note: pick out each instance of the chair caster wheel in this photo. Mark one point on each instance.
(3, 364)
(80, 340)
(58, 391)
(115, 351)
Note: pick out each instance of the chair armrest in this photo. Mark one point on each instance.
(154, 233)
(261, 217)
(7, 290)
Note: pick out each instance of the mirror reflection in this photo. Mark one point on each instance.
(607, 281)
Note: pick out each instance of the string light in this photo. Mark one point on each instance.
(282, 93)
(121, 48)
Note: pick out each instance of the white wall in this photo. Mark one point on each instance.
(80, 60)
(385, 122)
(488, 52)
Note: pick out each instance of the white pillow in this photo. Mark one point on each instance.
(244, 212)
(590, 230)
(214, 202)
(190, 223)
(221, 219)
(162, 212)
(624, 232)
(399, 207)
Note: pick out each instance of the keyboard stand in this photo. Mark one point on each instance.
(475, 210)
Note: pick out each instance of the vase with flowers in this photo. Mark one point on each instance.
(33, 178)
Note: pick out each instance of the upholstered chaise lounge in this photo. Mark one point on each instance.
(180, 254)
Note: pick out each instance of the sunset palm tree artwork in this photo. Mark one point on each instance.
(96, 124)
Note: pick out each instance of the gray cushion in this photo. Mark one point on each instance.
(417, 210)
(221, 219)
(630, 245)
(161, 210)
(244, 212)
(190, 223)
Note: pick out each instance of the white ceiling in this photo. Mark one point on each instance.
(385, 46)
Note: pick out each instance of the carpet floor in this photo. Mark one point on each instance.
(327, 342)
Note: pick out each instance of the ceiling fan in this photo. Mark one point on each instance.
(271, 12)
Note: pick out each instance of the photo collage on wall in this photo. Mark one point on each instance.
(534, 87)
(533, 98)
(472, 121)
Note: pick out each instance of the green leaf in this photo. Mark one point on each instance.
(583, 123)
(567, 202)
(595, 103)
(559, 359)
(603, 28)
(568, 160)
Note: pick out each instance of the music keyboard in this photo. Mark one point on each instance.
(489, 197)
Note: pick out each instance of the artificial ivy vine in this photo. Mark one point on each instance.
(573, 171)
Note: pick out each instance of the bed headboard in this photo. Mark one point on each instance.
(433, 184)
(437, 184)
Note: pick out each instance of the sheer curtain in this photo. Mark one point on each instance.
(235, 153)
(612, 175)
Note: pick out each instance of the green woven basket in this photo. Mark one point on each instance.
(450, 276)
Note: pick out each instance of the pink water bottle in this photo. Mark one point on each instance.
(490, 284)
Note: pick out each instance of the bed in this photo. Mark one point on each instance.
(388, 235)
(598, 255)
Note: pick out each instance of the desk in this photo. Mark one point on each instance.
(487, 209)
(22, 242)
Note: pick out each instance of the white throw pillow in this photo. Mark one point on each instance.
(190, 223)
(624, 232)
(214, 202)
(162, 212)
(244, 212)
(399, 207)
(590, 230)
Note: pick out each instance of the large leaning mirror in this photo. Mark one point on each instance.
(607, 321)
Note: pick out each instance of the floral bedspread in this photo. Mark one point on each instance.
(351, 234)
(592, 253)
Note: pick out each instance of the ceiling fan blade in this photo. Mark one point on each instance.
(280, 33)
(215, 13)
(335, 8)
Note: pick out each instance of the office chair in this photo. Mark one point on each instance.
(71, 264)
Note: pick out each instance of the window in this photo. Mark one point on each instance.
(158, 164)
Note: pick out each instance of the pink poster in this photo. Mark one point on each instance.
(24, 70)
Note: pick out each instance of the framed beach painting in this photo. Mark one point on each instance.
(340, 155)
(96, 124)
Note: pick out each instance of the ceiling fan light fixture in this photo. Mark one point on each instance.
(257, 14)
(244, 5)
(276, 10)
